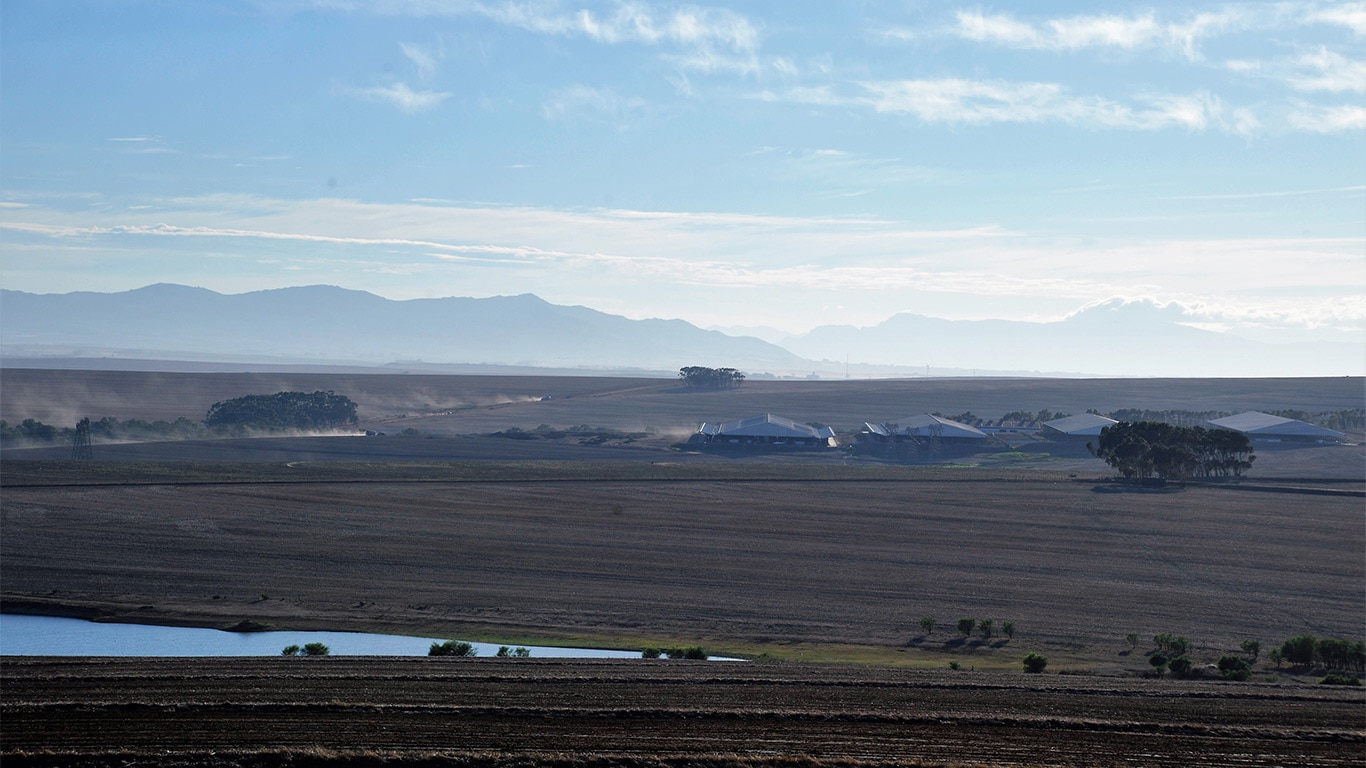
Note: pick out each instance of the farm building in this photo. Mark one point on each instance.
(766, 429)
(924, 426)
(1083, 425)
(1272, 429)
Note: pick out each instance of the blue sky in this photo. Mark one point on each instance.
(777, 164)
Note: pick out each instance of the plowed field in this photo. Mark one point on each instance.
(518, 712)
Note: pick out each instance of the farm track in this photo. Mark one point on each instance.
(492, 712)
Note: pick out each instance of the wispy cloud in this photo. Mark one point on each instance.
(422, 57)
(399, 95)
(1073, 33)
(1350, 15)
(1328, 119)
(595, 103)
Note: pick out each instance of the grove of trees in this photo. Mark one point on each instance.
(1143, 449)
(283, 410)
(700, 377)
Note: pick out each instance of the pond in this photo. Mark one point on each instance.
(23, 635)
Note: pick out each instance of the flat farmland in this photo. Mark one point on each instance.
(504, 712)
(740, 558)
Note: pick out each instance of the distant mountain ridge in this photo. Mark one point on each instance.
(318, 325)
(1116, 337)
(325, 323)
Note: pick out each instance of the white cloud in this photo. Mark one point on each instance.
(1320, 119)
(1098, 31)
(954, 100)
(421, 57)
(1350, 15)
(401, 96)
(1326, 70)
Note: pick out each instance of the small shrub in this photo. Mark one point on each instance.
(1008, 629)
(692, 652)
(966, 625)
(1234, 668)
(1252, 648)
(927, 625)
(1181, 666)
(650, 653)
(503, 652)
(292, 650)
(954, 666)
(521, 653)
(1034, 663)
(986, 627)
(1159, 663)
(452, 648)
(1132, 640)
(1337, 678)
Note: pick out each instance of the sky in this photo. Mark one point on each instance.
(756, 165)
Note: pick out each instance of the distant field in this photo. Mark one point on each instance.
(479, 404)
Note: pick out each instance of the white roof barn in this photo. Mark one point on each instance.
(1264, 426)
(766, 428)
(926, 425)
(1081, 425)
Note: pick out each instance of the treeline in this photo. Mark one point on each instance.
(1143, 449)
(283, 411)
(107, 429)
(1347, 420)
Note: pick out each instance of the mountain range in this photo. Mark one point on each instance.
(330, 325)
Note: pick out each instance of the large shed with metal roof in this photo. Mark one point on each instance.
(766, 429)
(926, 425)
(1266, 427)
(1081, 425)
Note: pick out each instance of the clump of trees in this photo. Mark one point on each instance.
(453, 648)
(515, 653)
(1034, 663)
(283, 411)
(1331, 653)
(1142, 449)
(307, 649)
(700, 377)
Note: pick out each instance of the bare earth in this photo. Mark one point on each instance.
(796, 556)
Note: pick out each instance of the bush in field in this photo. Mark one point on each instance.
(308, 649)
(966, 625)
(1174, 645)
(986, 627)
(1234, 668)
(927, 625)
(1008, 629)
(516, 653)
(1181, 666)
(1159, 663)
(651, 653)
(1132, 640)
(1034, 663)
(1337, 678)
(1252, 648)
(691, 652)
(452, 648)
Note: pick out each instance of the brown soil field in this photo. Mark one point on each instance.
(745, 558)
(499, 712)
